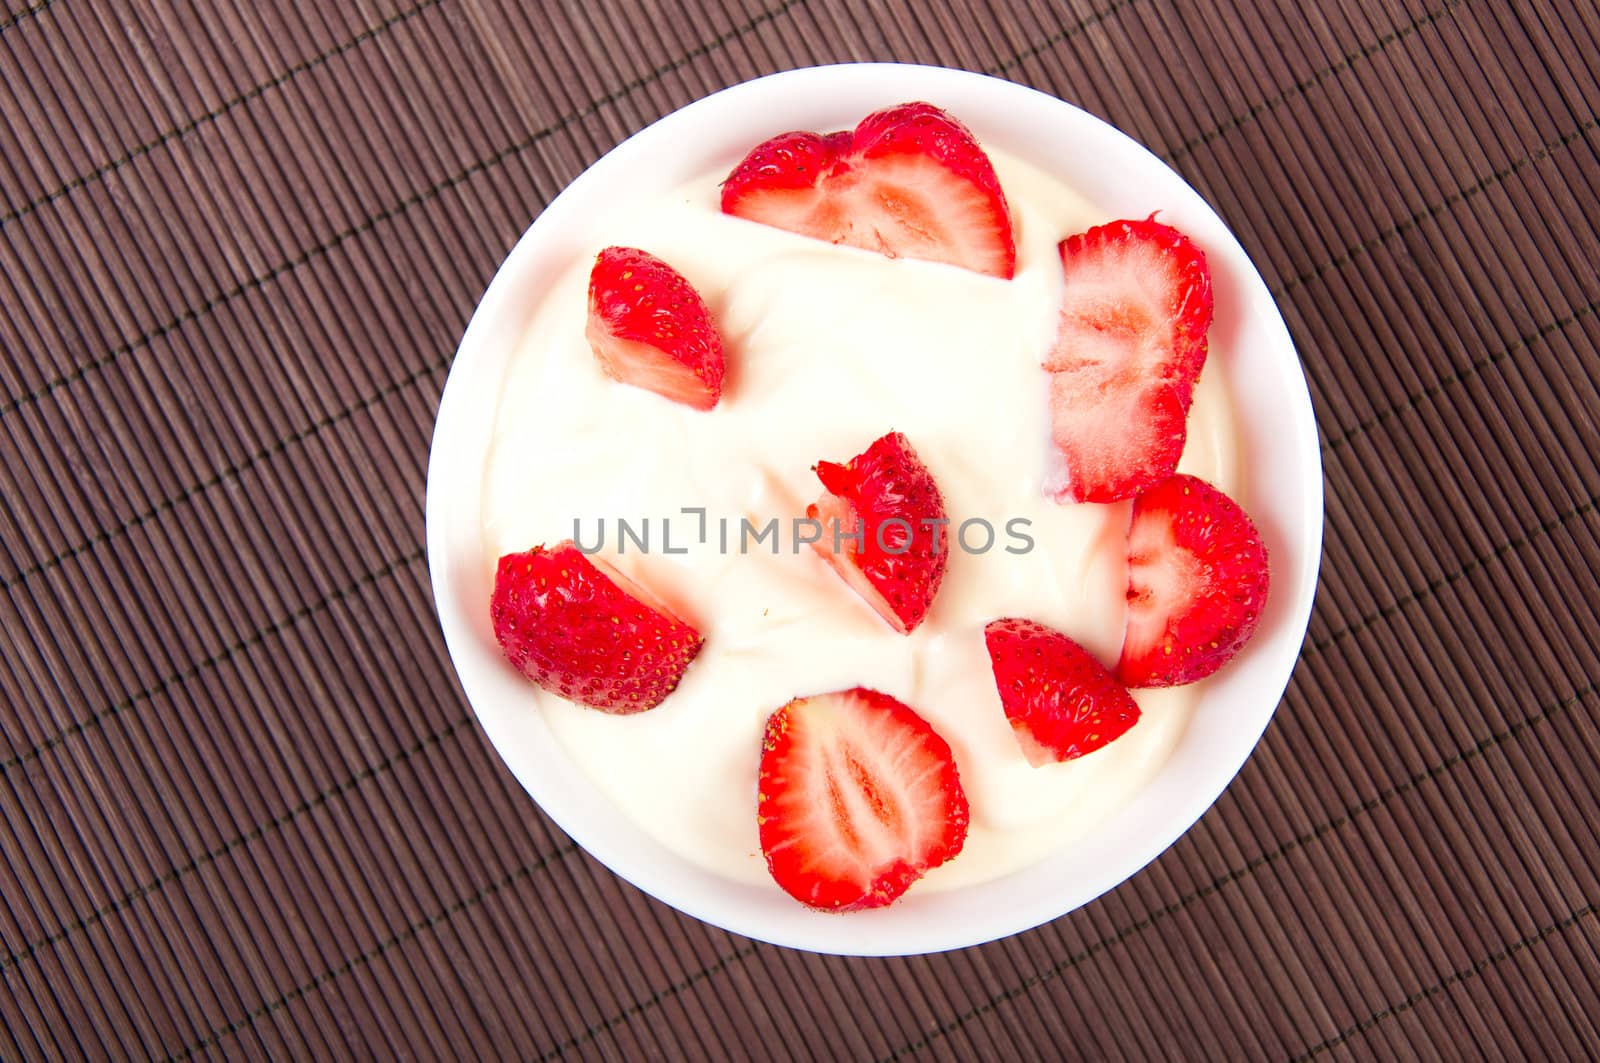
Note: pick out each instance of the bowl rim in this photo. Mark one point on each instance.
(1007, 115)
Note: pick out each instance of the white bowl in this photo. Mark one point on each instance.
(1279, 446)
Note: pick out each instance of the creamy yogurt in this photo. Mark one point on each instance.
(829, 348)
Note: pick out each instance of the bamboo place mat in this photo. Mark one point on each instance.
(246, 809)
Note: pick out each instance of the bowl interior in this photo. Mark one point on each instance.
(1278, 444)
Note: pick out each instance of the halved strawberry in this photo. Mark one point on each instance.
(1197, 581)
(581, 629)
(1129, 347)
(858, 797)
(910, 182)
(887, 500)
(650, 328)
(1062, 703)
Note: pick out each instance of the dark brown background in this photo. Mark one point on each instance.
(244, 809)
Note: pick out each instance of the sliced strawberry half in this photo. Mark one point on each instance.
(909, 182)
(1129, 347)
(1062, 703)
(858, 798)
(884, 529)
(581, 629)
(650, 328)
(1197, 581)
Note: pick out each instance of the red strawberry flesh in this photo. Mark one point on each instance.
(580, 629)
(858, 797)
(1197, 582)
(1130, 344)
(1062, 703)
(911, 181)
(649, 327)
(887, 499)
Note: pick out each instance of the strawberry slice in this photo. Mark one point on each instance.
(581, 629)
(650, 328)
(910, 182)
(1197, 581)
(883, 528)
(1062, 703)
(1129, 347)
(858, 797)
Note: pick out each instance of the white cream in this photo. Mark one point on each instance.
(829, 348)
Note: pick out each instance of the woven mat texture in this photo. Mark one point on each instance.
(245, 810)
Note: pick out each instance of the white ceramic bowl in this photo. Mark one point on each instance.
(1279, 445)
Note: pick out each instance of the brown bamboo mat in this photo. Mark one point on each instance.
(244, 809)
